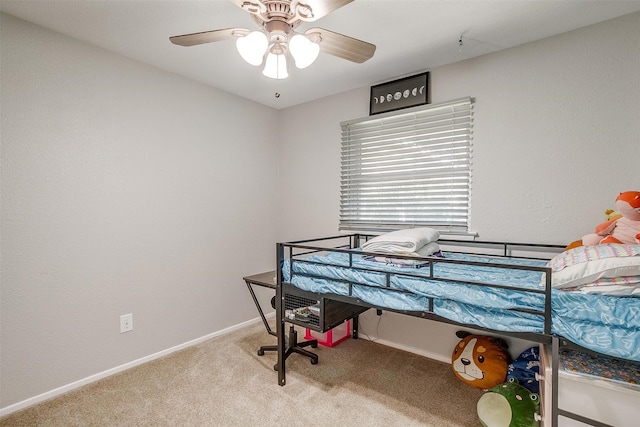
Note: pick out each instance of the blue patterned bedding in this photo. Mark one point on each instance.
(459, 291)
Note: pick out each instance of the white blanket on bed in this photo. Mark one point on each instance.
(401, 241)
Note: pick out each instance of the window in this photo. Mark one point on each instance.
(408, 169)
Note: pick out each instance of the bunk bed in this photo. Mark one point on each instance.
(535, 292)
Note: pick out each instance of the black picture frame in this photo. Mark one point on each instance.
(398, 94)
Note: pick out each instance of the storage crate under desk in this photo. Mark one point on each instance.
(330, 313)
(332, 337)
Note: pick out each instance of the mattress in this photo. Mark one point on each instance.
(478, 290)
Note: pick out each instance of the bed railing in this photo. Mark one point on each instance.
(297, 251)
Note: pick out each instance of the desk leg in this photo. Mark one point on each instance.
(555, 362)
(280, 331)
(354, 327)
(260, 311)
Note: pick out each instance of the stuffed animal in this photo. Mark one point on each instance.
(479, 360)
(509, 405)
(526, 368)
(611, 214)
(625, 229)
(574, 244)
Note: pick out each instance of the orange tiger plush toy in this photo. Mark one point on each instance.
(480, 361)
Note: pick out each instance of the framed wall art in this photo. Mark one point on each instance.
(398, 94)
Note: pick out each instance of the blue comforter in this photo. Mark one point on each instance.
(606, 324)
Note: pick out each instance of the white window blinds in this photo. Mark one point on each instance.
(407, 169)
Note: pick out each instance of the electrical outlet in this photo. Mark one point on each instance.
(126, 323)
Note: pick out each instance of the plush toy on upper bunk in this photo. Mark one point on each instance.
(625, 229)
(608, 261)
(622, 226)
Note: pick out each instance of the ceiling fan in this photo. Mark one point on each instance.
(278, 20)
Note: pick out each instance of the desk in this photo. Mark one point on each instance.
(292, 345)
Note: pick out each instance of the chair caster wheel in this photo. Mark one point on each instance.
(260, 352)
(314, 345)
(275, 367)
(314, 361)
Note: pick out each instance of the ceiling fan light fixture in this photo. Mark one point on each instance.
(303, 50)
(276, 64)
(252, 47)
(278, 20)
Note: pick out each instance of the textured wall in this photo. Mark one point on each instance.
(556, 137)
(125, 189)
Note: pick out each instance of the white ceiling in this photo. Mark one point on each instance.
(410, 35)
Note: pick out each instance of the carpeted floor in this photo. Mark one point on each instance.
(223, 382)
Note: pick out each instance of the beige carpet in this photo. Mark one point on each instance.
(223, 382)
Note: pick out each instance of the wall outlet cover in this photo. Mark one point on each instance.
(126, 323)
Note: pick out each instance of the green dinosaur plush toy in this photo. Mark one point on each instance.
(509, 405)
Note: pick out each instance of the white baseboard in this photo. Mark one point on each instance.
(93, 378)
(414, 350)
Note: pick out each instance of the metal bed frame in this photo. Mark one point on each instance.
(550, 344)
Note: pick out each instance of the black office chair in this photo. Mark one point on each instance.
(291, 344)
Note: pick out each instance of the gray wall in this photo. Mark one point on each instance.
(125, 189)
(557, 136)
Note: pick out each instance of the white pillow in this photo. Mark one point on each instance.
(618, 286)
(586, 264)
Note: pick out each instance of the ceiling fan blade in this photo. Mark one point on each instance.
(251, 6)
(312, 10)
(342, 46)
(208, 36)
